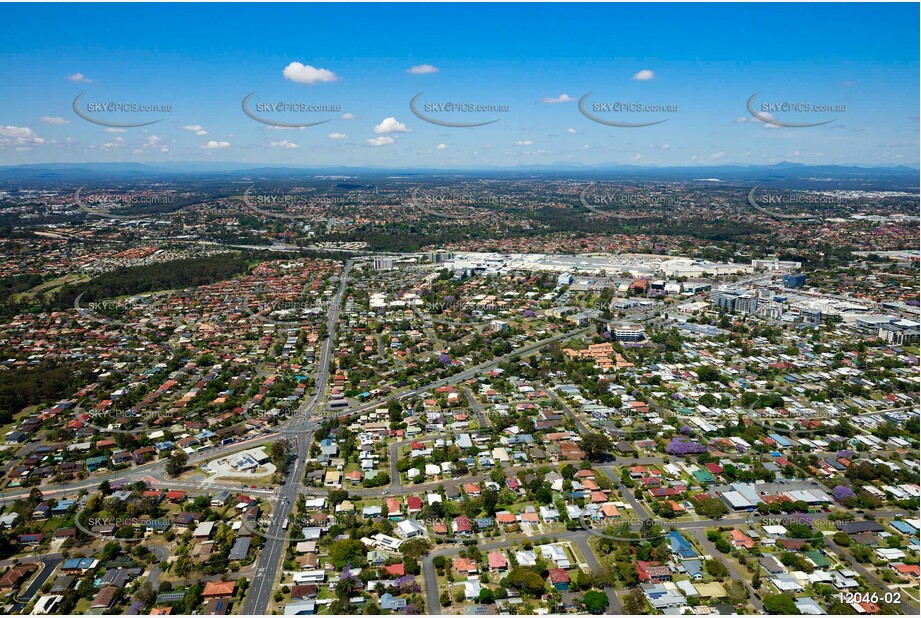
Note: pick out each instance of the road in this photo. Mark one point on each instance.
(579, 537)
(735, 572)
(302, 426)
(581, 541)
(396, 481)
(907, 608)
(162, 554)
(300, 429)
(139, 472)
(476, 407)
(583, 429)
(49, 563)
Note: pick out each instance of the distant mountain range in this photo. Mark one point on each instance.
(784, 171)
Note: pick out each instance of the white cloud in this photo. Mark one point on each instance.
(118, 142)
(306, 74)
(381, 141)
(54, 120)
(152, 141)
(80, 78)
(644, 76)
(284, 144)
(422, 69)
(586, 147)
(524, 142)
(637, 157)
(716, 156)
(765, 115)
(213, 145)
(197, 129)
(338, 136)
(441, 147)
(571, 131)
(666, 146)
(114, 130)
(18, 136)
(390, 125)
(563, 98)
(348, 116)
(18, 132)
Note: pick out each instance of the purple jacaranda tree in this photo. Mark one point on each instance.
(684, 447)
(842, 493)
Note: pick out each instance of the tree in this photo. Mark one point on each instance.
(176, 463)
(714, 508)
(736, 592)
(193, 597)
(347, 551)
(346, 588)
(415, 548)
(634, 603)
(146, 594)
(841, 538)
(862, 553)
(756, 578)
(527, 580)
(779, 604)
(597, 446)
(716, 568)
(708, 374)
(595, 601)
(490, 501)
(279, 454)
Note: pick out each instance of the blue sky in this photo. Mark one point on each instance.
(704, 60)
